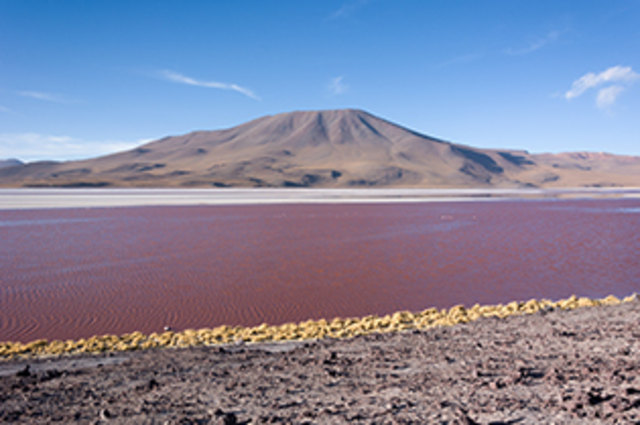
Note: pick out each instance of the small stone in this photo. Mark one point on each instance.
(105, 414)
(496, 385)
(225, 418)
(24, 372)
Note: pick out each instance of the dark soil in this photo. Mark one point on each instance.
(580, 366)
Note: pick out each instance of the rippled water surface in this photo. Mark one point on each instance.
(70, 273)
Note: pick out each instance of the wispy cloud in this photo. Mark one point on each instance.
(183, 79)
(37, 147)
(4, 109)
(39, 95)
(611, 75)
(534, 45)
(607, 96)
(337, 86)
(348, 8)
(612, 82)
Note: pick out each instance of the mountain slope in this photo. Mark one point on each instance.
(339, 148)
(9, 162)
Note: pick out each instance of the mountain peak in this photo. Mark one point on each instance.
(324, 148)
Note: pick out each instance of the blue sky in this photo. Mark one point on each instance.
(83, 78)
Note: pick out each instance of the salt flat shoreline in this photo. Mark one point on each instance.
(306, 330)
(35, 198)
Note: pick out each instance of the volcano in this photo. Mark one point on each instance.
(334, 148)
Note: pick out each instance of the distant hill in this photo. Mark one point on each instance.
(9, 162)
(337, 148)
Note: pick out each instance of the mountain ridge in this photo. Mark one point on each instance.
(327, 148)
(10, 162)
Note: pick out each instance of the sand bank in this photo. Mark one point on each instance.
(85, 198)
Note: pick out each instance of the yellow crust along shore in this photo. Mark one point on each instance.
(307, 330)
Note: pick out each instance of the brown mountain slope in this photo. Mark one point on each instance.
(340, 148)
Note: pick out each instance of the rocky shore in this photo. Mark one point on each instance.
(554, 366)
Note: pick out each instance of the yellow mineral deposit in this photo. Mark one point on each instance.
(310, 329)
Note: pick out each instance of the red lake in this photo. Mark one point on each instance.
(76, 272)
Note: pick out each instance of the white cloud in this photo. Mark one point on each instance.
(537, 44)
(607, 96)
(37, 147)
(615, 74)
(612, 81)
(337, 86)
(47, 97)
(183, 79)
(4, 109)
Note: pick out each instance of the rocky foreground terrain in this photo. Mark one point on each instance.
(576, 366)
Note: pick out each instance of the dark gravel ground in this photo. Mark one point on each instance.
(580, 366)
